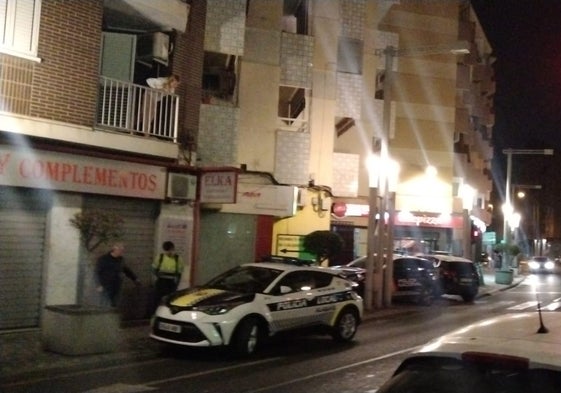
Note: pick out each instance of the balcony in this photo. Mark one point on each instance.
(137, 110)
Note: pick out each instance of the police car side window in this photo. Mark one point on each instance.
(322, 279)
(298, 281)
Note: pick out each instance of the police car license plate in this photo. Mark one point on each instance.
(169, 327)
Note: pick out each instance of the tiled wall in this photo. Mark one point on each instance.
(345, 174)
(350, 86)
(225, 26)
(296, 60)
(349, 95)
(218, 135)
(352, 18)
(292, 157)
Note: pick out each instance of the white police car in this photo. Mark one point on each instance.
(246, 304)
(512, 353)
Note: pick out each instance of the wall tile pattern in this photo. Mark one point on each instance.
(292, 156)
(296, 60)
(218, 135)
(225, 26)
(345, 174)
(349, 95)
(352, 18)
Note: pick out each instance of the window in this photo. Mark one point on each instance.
(219, 75)
(19, 27)
(295, 17)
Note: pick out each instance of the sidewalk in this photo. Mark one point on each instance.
(22, 356)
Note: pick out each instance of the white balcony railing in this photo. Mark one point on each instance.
(137, 110)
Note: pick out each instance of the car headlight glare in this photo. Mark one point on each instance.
(534, 265)
(549, 265)
(217, 309)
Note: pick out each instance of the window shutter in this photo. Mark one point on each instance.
(19, 23)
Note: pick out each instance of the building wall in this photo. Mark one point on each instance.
(69, 48)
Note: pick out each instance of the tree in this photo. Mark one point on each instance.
(323, 244)
(97, 227)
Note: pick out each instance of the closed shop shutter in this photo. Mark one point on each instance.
(139, 217)
(23, 215)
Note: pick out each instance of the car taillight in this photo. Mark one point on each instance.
(496, 361)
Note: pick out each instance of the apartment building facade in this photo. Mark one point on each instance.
(263, 141)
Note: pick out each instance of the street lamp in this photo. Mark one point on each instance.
(374, 280)
(508, 202)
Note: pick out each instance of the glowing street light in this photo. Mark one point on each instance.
(509, 153)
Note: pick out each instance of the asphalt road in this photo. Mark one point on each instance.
(301, 363)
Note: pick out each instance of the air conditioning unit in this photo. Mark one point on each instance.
(182, 186)
(160, 47)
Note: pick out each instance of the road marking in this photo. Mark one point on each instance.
(386, 356)
(523, 306)
(552, 306)
(121, 388)
(80, 372)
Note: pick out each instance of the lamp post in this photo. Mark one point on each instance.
(508, 202)
(382, 181)
(373, 180)
(531, 209)
(375, 258)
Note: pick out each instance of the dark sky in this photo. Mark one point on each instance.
(526, 39)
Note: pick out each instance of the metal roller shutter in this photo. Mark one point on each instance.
(139, 233)
(23, 215)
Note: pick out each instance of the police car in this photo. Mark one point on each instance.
(243, 306)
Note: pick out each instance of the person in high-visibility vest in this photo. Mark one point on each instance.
(167, 268)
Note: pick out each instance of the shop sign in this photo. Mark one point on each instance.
(264, 199)
(429, 220)
(219, 187)
(68, 172)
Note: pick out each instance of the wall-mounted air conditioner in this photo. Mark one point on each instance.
(153, 47)
(182, 186)
(160, 47)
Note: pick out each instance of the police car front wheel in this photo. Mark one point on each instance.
(246, 337)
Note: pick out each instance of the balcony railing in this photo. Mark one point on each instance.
(137, 110)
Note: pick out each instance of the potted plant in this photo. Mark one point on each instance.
(505, 274)
(85, 328)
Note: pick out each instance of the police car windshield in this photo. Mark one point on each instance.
(249, 279)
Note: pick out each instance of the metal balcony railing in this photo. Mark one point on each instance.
(137, 110)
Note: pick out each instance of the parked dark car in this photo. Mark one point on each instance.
(457, 275)
(413, 278)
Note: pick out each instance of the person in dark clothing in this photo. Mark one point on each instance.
(108, 270)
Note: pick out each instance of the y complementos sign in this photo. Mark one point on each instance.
(67, 172)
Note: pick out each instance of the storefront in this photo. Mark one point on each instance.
(419, 232)
(41, 257)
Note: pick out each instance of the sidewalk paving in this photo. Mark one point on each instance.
(22, 355)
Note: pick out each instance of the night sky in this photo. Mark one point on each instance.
(526, 39)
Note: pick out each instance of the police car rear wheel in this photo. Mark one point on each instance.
(346, 326)
(246, 338)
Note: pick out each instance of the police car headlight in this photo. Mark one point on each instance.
(217, 309)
